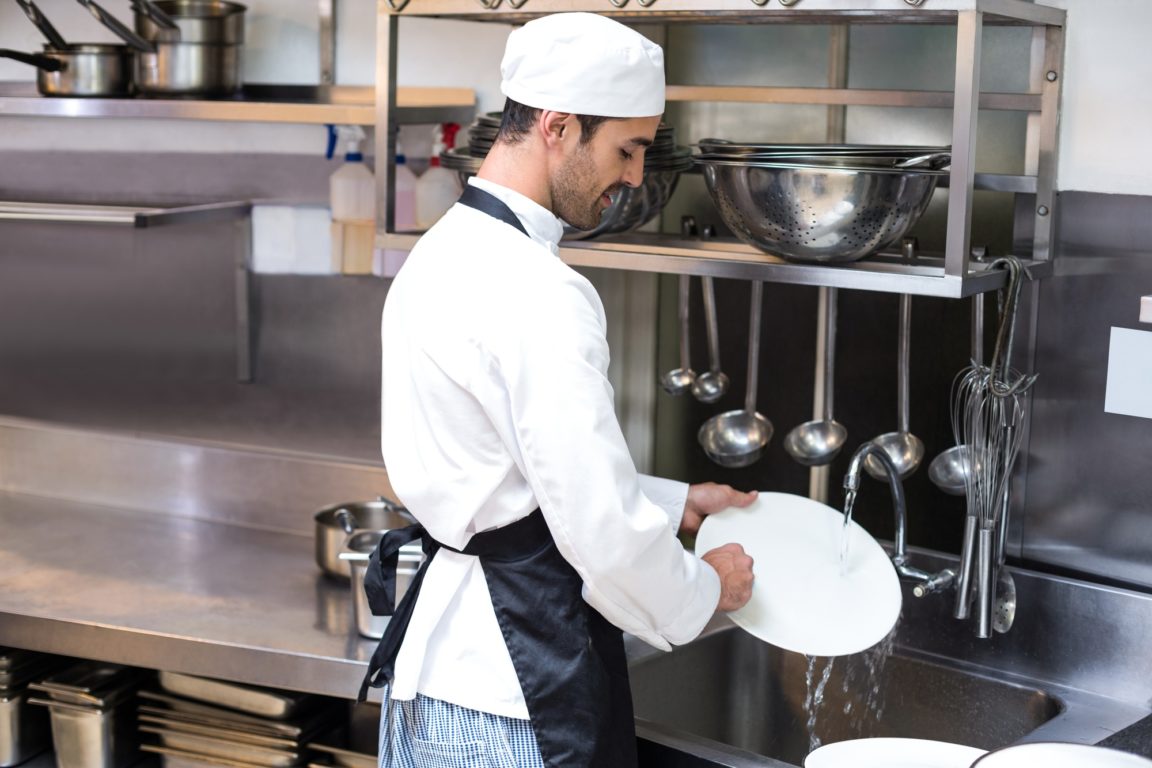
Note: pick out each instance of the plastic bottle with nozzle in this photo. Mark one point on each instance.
(437, 188)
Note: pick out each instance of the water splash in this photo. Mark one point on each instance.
(814, 697)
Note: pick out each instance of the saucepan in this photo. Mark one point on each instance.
(337, 523)
(81, 69)
(182, 47)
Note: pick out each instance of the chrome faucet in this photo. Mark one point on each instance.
(926, 583)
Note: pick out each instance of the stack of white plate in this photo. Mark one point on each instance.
(194, 722)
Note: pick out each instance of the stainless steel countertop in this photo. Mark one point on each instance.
(175, 593)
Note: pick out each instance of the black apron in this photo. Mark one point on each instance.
(569, 659)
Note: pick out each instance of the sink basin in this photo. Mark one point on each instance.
(732, 688)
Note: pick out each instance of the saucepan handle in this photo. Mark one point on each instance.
(46, 63)
(36, 17)
(117, 27)
(158, 17)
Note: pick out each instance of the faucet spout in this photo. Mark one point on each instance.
(926, 582)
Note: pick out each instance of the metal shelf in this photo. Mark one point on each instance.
(949, 274)
(307, 104)
(136, 216)
(886, 271)
(726, 11)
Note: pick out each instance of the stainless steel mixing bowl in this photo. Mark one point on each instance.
(814, 212)
(631, 207)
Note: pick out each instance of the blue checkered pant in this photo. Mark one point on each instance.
(428, 733)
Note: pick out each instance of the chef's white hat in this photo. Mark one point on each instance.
(584, 64)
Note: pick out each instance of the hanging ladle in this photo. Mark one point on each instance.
(679, 380)
(815, 443)
(711, 385)
(949, 471)
(904, 448)
(737, 438)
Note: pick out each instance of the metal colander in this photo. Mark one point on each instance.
(810, 212)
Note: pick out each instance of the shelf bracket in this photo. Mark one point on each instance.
(327, 10)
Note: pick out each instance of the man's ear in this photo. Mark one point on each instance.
(556, 127)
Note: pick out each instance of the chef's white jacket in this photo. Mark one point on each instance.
(496, 401)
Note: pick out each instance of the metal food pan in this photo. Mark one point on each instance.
(245, 698)
(178, 758)
(216, 731)
(346, 758)
(194, 711)
(302, 726)
(87, 737)
(245, 753)
(24, 730)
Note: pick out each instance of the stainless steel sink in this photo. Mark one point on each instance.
(731, 688)
(1074, 667)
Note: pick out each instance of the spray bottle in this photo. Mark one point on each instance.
(437, 188)
(352, 196)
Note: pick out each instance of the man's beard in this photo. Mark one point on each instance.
(575, 198)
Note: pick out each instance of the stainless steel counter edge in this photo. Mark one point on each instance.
(329, 676)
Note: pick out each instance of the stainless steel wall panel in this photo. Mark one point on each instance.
(1089, 507)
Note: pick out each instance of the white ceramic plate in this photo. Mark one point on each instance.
(1050, 754)
(893, 753)
(804, 599)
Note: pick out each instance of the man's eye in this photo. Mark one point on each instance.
(625, 154)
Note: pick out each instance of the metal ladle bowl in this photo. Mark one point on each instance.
(712, 384)
(737, 438)
(950, 470)
(904, 449)
(679, 380)
(815, 443)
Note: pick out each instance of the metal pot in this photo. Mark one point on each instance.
(214, 22)
(198, 46)
(201, 60)
(335, 524)
(80, 69)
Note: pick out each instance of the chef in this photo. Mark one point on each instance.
(499, 435)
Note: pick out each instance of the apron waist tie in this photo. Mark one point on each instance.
(508, 542)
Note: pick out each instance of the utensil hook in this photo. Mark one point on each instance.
(1000, 366)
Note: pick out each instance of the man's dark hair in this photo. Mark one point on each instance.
(518, 120)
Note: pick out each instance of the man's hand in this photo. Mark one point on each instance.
(735, 570)
(706, 498)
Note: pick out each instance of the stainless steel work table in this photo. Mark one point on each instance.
(175, 593)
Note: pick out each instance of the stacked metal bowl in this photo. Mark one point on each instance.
(820, 202)
(631, 208)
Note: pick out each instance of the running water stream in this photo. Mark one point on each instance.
(861, 689)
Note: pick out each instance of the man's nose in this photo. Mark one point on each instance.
(634, 171)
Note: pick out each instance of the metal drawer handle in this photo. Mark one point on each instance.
(646, 3)
(396, 6)
(619, 3)
(916, 3)
(516, 3)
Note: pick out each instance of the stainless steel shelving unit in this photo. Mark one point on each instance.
(305, 104)
(948, 274)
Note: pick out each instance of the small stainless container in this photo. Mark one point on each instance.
(90, 737)
(24, 730)
(357, 550)
(334, 524)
